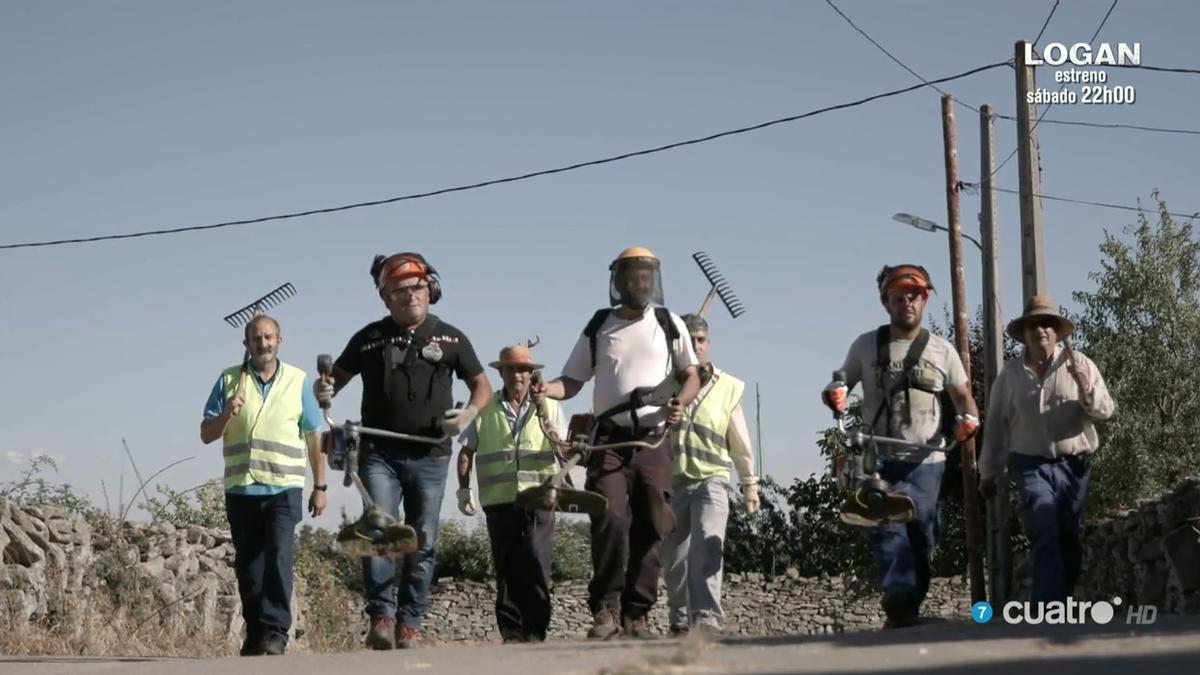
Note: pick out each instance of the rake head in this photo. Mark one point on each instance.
(720, 286)
(244, 315)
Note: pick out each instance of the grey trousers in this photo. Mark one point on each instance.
(692, 553)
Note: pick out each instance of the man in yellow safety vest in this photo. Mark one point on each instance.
(506, 444)
(267, 417)
(712, 439)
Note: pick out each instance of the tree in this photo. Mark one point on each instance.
(1141, 325)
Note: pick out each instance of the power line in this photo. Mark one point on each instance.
(511, 179)
(1060, 90)
(1161, 69)
(883, 49)
(1084, 202)
(1045, 23)
(1101, 125)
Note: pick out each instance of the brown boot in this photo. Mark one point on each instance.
(382, 633)
(636, 628)
(408, 637)
(605, 625)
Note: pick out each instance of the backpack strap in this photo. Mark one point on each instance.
(883, 338)
(593, 328)
(670, 330)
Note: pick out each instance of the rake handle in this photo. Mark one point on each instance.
(712, 293)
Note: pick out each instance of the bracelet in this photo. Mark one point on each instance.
(320, 488)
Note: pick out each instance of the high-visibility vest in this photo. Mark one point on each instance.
(700, 448)
(505, 465)
(263, 442)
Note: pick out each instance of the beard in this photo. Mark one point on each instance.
(636, 299)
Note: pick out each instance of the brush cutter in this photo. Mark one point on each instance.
(244, 315)
(720, 287)
(557, 494)
(870, 501)
(375, 533)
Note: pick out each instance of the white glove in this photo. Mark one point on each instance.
(458, 419)
(466, 502)
(323, 390)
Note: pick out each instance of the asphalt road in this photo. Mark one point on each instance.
(1171, 645)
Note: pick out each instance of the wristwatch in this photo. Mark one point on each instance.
(321, 488)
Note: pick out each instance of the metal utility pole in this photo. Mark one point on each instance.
(758, 427)
(998, 554)
(963, 344)
(1033, 263)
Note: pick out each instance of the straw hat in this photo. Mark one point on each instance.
(516, 355)
(1040, 308)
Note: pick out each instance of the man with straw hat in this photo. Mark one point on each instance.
(1041, 424)
(511, 453)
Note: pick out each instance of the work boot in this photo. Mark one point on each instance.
(636, 628)
(679, 631)
(381, 633)
(275, 644)
(252, 645)
(899, 607)
(605, 625)
(408, 637)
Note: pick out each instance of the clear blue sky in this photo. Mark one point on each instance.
(144, 115)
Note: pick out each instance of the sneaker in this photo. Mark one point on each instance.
(408, 637)
(636, 628)
(900, 610)
(605, 625)
(275, 644)
(380, 635)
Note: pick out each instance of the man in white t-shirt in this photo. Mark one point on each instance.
(632, 344)
(904, 371)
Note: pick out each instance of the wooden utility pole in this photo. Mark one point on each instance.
(963, 343)
(1033, 264)
(998, 554)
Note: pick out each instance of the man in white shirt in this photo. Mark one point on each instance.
(634, 343)
(1041, 422)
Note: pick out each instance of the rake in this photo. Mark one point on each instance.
(720, 287)
(244, 315)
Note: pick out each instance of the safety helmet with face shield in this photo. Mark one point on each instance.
(635, 279)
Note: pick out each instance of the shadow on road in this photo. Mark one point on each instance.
(1175, 662)
(953, 631)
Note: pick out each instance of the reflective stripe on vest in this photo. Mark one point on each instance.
(700, 449)
(504, 465)
(262, 443)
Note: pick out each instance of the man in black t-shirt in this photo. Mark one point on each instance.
(408, 361)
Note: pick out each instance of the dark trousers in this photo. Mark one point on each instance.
(901, 550)
(522, 542)
(263, 531)
(1052, 499)
(627, 539)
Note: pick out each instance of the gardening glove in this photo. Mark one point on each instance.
(674, 411)
(965, 426)
(750, 497)
(323, 390)
(458, 419)
(834, 396)
(466, 502)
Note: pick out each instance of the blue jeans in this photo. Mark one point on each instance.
(1052, 498)
(418, 481)
(901, 550)
(263, 532)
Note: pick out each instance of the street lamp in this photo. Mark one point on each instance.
(930, 226)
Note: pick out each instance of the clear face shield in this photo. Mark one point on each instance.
(635, 282)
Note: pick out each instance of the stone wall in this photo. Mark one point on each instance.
(1149, 555)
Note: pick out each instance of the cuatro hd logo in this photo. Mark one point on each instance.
(1068, 612)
